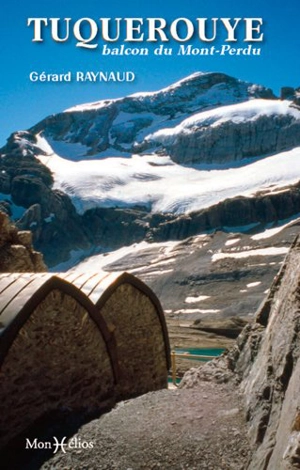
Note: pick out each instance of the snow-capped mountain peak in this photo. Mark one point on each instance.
(162, 164)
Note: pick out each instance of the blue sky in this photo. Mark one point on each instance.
(24, 103)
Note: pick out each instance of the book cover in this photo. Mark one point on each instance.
(149, 197)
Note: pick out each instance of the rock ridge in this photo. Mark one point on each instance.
(266, 363)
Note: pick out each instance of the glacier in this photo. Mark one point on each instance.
(160, 185)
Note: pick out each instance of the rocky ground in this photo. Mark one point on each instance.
(207, 284)
(199, 428)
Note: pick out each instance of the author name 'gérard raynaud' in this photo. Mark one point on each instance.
(79, 76)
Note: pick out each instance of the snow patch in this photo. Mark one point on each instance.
(75, 257)
(157, 263)
(196, 310)
(200, 298)
(49, 219)
(273, 231)
(103, 260)
(253, 284)
(69, 150)
(233, 241)
(158, 273)
(91, 106)
(271, 251)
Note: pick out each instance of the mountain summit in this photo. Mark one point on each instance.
(121, 126)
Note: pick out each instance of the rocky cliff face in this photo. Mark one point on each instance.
(233, 141)
(266, 363)
(16, 252)
(27, 195)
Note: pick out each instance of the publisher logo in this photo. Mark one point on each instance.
(57, 445)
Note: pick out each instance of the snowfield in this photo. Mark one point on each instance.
(160, 185)
(102, 261)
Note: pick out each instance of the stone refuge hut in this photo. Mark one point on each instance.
(135, 317)
(78, 342)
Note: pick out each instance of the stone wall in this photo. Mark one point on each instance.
(58, 360)
(141, 346)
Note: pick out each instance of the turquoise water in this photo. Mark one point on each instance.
(170, 381)
(201, 351)
(197, 351)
